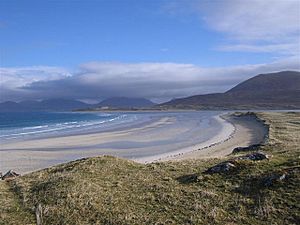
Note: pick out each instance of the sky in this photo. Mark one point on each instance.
(160, 49)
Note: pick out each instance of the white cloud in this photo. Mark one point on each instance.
(251, 25)
(255, 19)
(15, 77)
(12, 79)
(156, 81)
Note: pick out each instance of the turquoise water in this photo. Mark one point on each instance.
(14, 125)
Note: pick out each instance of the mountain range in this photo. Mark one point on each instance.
(279, 90)
(69, 105)
(123, 102)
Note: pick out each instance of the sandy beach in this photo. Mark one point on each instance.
(168, 137)
(248, 131)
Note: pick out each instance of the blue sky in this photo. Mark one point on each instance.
(42, 41)
(67, 33)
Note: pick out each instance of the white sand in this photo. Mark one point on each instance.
(226, 132)
(168, 138)
(248, 131)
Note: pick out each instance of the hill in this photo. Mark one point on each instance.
(45, 105)
(123, 102)
(69, 105)
(265, 91)
(108, 190)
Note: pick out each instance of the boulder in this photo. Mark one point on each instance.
(274, 178)
(10, 175)
(246, 149)
(255, 156)
(221, 168)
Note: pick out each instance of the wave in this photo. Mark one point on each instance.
(34, 127)
(65, 126)
(104, 114)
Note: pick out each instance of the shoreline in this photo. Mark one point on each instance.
(247, 131)
(227, 132)
(148, 139)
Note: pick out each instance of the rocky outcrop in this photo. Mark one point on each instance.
(274, 178)
(232, 164)
(10, 175)
(255, 156)
(221, 167)
(246, 149)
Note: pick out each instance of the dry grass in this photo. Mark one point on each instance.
(108, 190)
(11, 209)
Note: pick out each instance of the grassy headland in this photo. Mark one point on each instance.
(109, 190)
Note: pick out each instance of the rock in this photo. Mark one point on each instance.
(270, 180)
(221, 168)
(10, 175)
(255, 156)
(246, 149)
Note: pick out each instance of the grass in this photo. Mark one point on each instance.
(11, 209)
(109, 190)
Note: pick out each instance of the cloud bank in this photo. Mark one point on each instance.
(157, 81)
(13, 79)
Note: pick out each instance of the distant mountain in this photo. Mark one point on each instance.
(62, 104)
(265, 91)
(45, 105)
(126, 103)
(9, 106)
(69, 105)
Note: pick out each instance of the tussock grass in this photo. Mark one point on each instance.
(109, 190)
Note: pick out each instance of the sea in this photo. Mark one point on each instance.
(145, 136)
(30, 125)
(16, 126)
